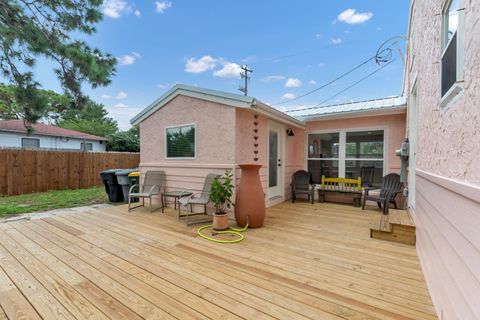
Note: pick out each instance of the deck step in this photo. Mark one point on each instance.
(397, 226)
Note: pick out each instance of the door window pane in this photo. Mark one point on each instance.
(272, 159)
(323, 145)
(365, 145)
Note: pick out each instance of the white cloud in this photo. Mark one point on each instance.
(273, 78)
(137, 13)
(321, 64)
(121, 95)
(288, 96)
(123, 113)
(318, 35)
(203, 64)
(229, 70)
(128, 59)
(105, 96)
(161, 86)
(312, 82)
(293, 83)
(350, 16)
(335, 40)
(115, 8)
(161, 6)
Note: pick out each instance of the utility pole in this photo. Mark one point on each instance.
(244, 75)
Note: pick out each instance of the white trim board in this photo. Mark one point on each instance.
(464, 189)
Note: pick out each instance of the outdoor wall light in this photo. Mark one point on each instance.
(290, 132)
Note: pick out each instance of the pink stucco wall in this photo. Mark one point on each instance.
(215, 141)
(215, 137)
(447, 177)
(224, 139)
(393, 124)
(294, 149)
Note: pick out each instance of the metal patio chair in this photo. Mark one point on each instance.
(153, 184)
(301, 185)
(196, 198)
(391, 186)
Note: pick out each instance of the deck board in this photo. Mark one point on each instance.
(307, 262)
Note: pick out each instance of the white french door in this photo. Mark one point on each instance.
(275, 159)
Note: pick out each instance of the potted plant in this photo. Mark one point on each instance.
(220, 195)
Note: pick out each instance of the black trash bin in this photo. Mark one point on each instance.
(113, 189)
(123, 181)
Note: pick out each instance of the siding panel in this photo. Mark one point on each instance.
(448, 247)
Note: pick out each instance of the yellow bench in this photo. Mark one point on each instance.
(341, 190)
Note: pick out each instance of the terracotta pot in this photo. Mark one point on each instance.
(250, 199)
(220, 221)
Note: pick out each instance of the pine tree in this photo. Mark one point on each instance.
(44, 28)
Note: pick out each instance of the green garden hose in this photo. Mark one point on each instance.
(230, 230)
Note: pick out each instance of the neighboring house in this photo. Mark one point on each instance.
(14, 135)
(443, 85)
(217, 133)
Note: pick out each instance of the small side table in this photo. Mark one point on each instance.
(176, 195)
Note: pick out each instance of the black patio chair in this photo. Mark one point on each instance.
(391, 186)
(367, 173)
(301, 185)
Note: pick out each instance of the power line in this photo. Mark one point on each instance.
(319, 106)
(357, 82)
(330, 82)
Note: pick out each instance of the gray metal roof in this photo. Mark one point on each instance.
(384, 105)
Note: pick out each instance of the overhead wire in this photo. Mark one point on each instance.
(319, 105)
(331, 81)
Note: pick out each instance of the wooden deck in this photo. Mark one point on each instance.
(308, 262)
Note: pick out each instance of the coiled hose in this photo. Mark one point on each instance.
(230, 230)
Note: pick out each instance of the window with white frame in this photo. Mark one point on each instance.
(364, 149)
(345, 153)
(180, 142)
(30, 143)
(86, 146)
(452, 51)
(323, 155)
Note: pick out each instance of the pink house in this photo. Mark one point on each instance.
(443, 84)
(332, 141)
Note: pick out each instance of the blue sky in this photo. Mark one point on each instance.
(292, 47)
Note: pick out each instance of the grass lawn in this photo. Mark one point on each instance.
(52, 200)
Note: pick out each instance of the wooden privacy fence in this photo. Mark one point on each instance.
(26, 171)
